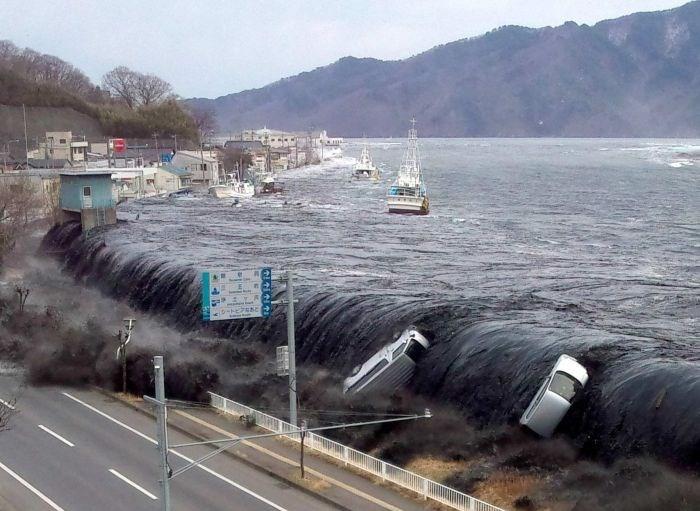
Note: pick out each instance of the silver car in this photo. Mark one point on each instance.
(391, 367)
(553, 399)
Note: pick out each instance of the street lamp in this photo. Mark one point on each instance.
(124, 338)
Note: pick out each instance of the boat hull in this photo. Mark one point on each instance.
(408, 205)
(228, 192)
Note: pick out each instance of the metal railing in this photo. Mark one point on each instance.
(351, 457)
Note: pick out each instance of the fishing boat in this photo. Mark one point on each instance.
(232, 188)
(365, 167)
(408, 194)
(266, 183)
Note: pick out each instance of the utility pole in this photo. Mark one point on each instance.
(162, 432)
(292, 350)
(26, 142)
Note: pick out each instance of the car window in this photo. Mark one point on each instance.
(540, 395)
(564, 385)
(415, 350)
(395, 354)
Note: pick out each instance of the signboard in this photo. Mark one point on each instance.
(118, 145)
(282, 360)
(236, 294)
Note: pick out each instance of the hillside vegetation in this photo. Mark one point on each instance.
(636, 76)
(36, 80)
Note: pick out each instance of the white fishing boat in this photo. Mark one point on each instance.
(408, 194)
(233, 188)
(365, 168)
(267, 184)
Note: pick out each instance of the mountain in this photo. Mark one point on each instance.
(634, 76)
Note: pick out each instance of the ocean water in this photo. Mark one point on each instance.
(532, 248)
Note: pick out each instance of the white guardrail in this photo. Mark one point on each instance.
(387, 472)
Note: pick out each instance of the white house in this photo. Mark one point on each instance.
(203, 165)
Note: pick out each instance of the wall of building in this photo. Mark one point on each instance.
(72, 191)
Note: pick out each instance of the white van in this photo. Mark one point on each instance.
(389, 368)
(553, 399)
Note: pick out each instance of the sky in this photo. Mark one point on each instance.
(210, 48)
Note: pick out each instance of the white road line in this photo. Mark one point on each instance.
(3, 402)
(56, 435)
(182, 456)
(28, 486)
(132, 483)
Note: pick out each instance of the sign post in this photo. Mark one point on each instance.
(242, 294)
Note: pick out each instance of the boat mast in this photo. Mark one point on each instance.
(411, 162)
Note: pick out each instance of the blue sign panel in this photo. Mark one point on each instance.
(236, 294)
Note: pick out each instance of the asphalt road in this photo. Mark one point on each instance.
(75, 450)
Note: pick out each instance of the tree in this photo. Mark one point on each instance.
(134, 88)
(20, 203)
(150, 89)
(121, 82)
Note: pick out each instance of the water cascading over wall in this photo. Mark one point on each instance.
(484, 358)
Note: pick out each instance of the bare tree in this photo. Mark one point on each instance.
(20, 203)
(121, 82)
(22, 295)
(150, 89)
(134, 88)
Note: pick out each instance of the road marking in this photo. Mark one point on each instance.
(28, 486)
(3, 402)
(286, 460)
(56, 435)
(132, 483)
(182, 456)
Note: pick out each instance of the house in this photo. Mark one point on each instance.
(49, 163)
(172, 179)
(89, 197)
(203, 165)
(279, 158)
(134, 182)
(60, 145)
(268, 137)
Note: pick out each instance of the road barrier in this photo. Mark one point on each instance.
(347, 455)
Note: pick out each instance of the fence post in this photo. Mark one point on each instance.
(425, 489)
(383, 471)
(345, 455)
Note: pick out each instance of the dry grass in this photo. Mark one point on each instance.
(435, 468)
(503, 488)
(313, 483)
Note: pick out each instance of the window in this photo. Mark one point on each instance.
(415, 350)
(87, 191)
(203, 167)
(395, 354)
(564, 385)
(62, 141)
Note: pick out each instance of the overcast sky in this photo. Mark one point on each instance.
(215, 47)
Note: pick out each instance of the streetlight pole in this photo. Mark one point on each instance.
(291, 341)
(162, 430)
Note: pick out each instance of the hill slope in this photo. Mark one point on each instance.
(634, 76)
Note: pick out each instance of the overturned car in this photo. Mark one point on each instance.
(391, 367)
(553, 399)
